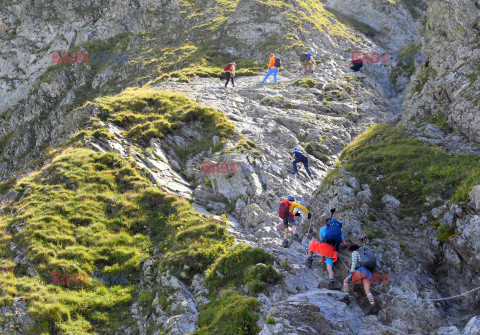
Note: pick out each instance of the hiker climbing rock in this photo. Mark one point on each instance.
(273, 66)
(308, 60)
(285, 211)
(230, 73)
(299, 157)
(331, 240)
(363, 263)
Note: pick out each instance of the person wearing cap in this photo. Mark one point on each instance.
(230, 73)
(290, 220)
(309, 61)
(272, 69)
(299, 157)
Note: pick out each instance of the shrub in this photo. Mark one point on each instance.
(237, 267)
(305, 82)
(270, 321)
(229, 314)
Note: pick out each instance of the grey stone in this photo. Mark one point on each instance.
(475, 198)
(472, 327)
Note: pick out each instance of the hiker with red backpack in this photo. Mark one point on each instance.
(273, 67)
(364, 262)
(230, 73)
(331, 240)
(285, 211)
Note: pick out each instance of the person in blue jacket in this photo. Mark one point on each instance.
(299, 157)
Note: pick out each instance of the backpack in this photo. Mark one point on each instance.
(278, 63)
(283, 209)
(333, 233)
(227, 67)
(368, 258)
(303, 57)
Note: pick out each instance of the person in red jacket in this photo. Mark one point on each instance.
(327, 251)
(230, 73)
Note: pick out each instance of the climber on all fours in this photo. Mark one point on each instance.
(300, 157)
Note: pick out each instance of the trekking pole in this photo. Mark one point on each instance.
(309, 226)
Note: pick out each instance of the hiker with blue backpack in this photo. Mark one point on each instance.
(300, 157)
(273, 66)
(331, 240)
(285, 211)
(364, 262)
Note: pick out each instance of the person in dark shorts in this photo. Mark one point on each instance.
(230, 73)
(359, 275)
(290, 220)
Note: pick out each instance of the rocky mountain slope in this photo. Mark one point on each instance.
(448, 87)
(105, 177)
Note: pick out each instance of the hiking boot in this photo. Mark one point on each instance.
(308, 262)
(295, 236)
(285, 243)
(373, 311)
(331, 285)
(345, 299)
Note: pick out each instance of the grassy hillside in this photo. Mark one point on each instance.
(89, 211)
(394, 163)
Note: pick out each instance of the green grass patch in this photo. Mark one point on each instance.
(80, 213)
(88, 211)
(406, 63)
(238, 267)
(231, 314)
(305, 82)
(406, 250)
(412, 170)
(270, 321)
(245, 146)
(190, 61)
(374, 234)
(439, 121)
(147, 113)
(444, 232)
(5, 186)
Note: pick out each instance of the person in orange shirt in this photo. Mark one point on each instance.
(273, 66)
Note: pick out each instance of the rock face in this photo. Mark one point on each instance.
(450, 85)
(390, 25)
